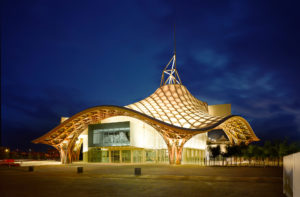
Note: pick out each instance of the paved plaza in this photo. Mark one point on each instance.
(156, 180)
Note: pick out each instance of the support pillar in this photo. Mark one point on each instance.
(66, 150)
(76, 151)
(65, 154)
(175, 147)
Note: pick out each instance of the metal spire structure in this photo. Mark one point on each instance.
(170, 74)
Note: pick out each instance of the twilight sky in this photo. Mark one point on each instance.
(61, 57)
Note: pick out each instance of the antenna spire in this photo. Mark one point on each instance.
(174, 38)
(170, 74)
(170, 71)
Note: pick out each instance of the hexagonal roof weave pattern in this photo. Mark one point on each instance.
(174, 104)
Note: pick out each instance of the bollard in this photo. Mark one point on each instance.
(30, 168)
(79, 170)
(137, 171)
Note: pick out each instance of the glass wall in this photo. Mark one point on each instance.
(162, 156)
(193, 156)
(94, 155)
(104, 156)
(115, 156)
(137, 156)
(150, 156)
(127, 155)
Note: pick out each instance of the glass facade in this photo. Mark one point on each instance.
(115, 156)
(150, 155)
(162, 156)
(137, 156)
(193, 156)
(126, 156)
(105, 156)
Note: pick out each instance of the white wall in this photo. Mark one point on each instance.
(197, 142)
(291, 175)
(84, 136)
(142, 135)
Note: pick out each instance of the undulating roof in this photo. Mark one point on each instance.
(174, 104)
(171, 109)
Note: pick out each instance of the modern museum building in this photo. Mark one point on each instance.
(169, 126)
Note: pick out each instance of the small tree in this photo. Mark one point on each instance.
(293, 148)
(278, 150)
(230, 151)
(267, 149)
(242, 151)
(215, 151)
(224, 155)
(249, 152)
(257, 153)
(236, 152)
(227, 153)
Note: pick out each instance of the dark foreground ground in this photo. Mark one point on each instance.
(156, 180)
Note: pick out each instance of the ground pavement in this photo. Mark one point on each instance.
(156, 180)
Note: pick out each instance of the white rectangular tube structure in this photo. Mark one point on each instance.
(291, 175)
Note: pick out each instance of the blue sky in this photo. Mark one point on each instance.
(60, 57)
